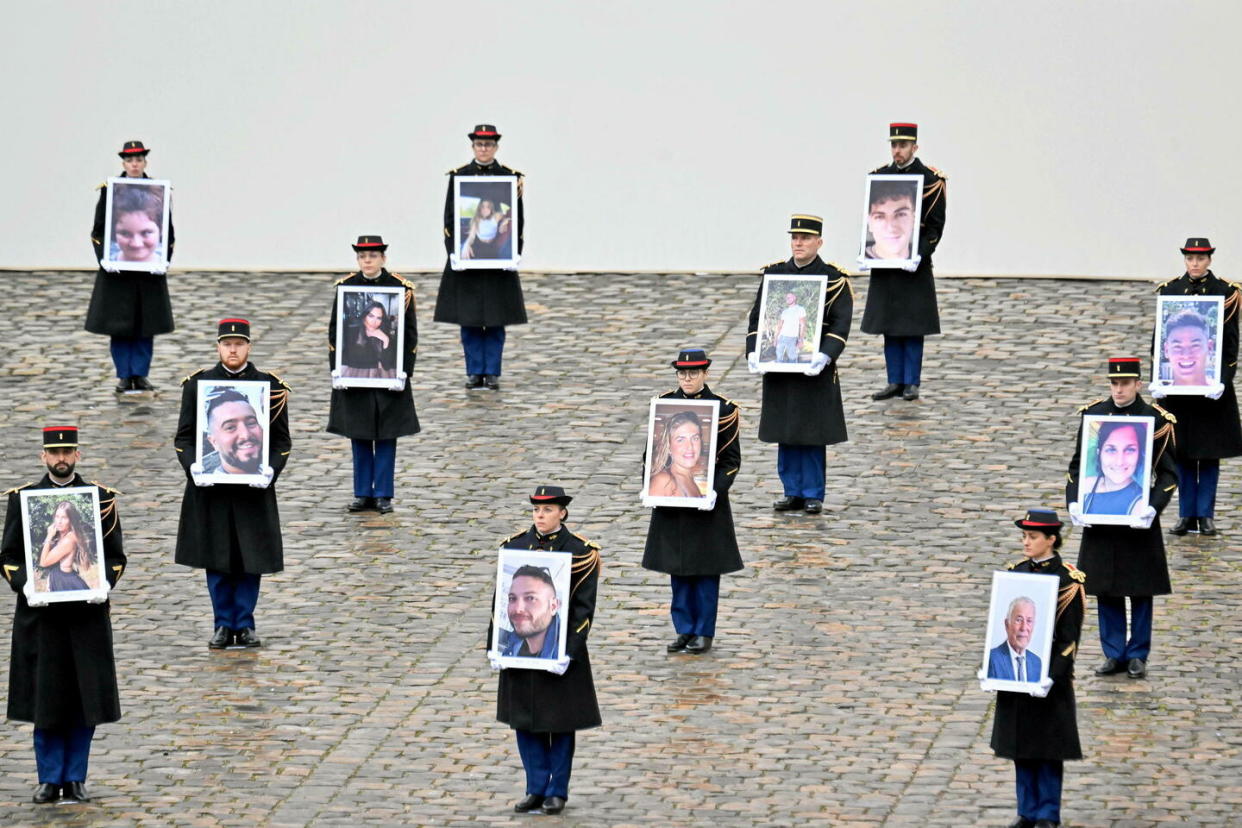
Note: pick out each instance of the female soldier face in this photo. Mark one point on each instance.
(1119, 455)
(371, 262)
(134, 165)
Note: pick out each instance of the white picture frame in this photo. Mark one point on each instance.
(136, 212)
(79, 540)
(889, 223)
(476, 242)
(1127, 447)
(772, 345)
(1186, 351)
(665, 469)
(531, 597)
(1008, 591)
(232, 443)
(365, 360)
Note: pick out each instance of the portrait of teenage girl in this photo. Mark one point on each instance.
(370, 345)
(488, 234)
(67, 549)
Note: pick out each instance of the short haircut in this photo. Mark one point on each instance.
(531, 571)
(1021, 599)
(882, 191)
(1188, 319)
(227, 395)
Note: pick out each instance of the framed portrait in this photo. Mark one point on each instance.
(64, 544)
(233, 438)
(486, 231)
(681, 452)
(892, 213)
(790, 316)
(1021, 616)
(370, 336)
(531, 616)
(1189, 333)
(136, 224)
(1114, 472)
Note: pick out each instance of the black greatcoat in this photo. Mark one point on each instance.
(130, 303)
(901, 303)
(61, 669)
(376, 413)
(486, 297)
(689, 541)
(543, 702)
(1209, 429)
(799, 410)
(1118, 560)
(1027, 727)
(230, 527)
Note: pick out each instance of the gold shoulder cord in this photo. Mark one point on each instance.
(189, 377)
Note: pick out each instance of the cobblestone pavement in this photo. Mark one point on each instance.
(841, 690)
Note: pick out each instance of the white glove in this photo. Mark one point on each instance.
(864, 264)
(36, 602)
(398, 384)
(493, 658)
(98, 599)
(267, 473)
(1076, 518)
(1040, 690)
(1217, 390)
(337, 381)
(1143, 519)
(1157, 390)
(513, 267)
(559, 666)
(752, 362)
(818, 363)
(708, 503)
(982, 675)
(912, 265)
(454, 262)
(198, 476)
(160, 271)
(109, 267)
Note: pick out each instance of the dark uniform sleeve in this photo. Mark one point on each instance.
(113, 545)
(1071, 474)
(1071, 606)
(187, 425)
(521, 222)
(448, 214)
(934, 199)
(1164, 467)
(585, 583)
(409, 320)
(728, 447)
(332, 354)
(838, 316)
(752, 327)
(172, 232)
(1229, 350)
(280, 443)
(12, 546)
(97, 230)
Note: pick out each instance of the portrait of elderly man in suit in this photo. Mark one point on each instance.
(1011, 660)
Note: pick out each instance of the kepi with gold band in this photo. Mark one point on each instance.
(903, 131)
(233, 327)
(60, 437)
(806, 223)
(1125, 368)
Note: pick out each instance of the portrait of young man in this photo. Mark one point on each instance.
(532, 609)
(234, 433)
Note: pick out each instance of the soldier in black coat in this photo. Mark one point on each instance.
(129, 306)
(62, 676)
(546, 707)
(232, 530)
(1208, 428)
(696, 546)
(482, 301)
(902, 305)
(1126, 561)
(803, 413)
(1039, 730)
(373, 418)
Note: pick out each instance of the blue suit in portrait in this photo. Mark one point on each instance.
(514, 645)
(1000, 664)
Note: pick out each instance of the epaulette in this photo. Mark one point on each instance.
(107, 489)
(844, 272)
(1166, 414)
(189, 377)
(938, 173)
(511, 537)
(343, 279)
(403, 280)
(771, 264)
(1166, 283)
(456, 170)
(1076, 573)
(590, 544)
(1083, 408)
(18, 488)
(101, 185)
(1015, 563)
(667, 394)
(276, 377)
(878, 169)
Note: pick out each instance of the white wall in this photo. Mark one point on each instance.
(1078, 137)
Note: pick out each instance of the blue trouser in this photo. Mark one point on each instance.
(483, 347)
(801, 469)
(1196, 488)
(1039, 788)
(787, 349)
(375, 462)
(1112, 615)
(233, 598)
(61, 754)
(903, 356)
(548, 758)
(694, 604)
(132, 355)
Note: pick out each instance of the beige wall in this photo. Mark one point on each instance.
(1079, 138)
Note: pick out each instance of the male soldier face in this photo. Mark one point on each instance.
(891, 223)
(691, 380)
(1186, 349)
(1123, 390)
(235, 433)
(371, 262)
(60, 462)
(134, 165)
(484, 150)
(547, 517)
(532, 604)
(805, 246)
(903, 152)
(234, 352)
(1019, 624)
(1197, 264)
